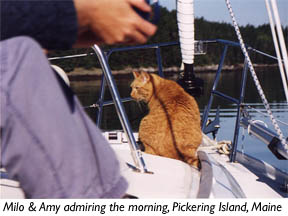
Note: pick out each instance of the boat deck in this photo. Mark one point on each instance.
(253, 184)
(169, 178)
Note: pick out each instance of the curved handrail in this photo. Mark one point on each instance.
(135, 150)
(157, 46)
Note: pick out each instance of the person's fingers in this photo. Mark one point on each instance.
(140, 4)
(120, 24)
(146, 27)
(137, 37)
(143, 25)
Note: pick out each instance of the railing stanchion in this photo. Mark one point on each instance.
(135, 151)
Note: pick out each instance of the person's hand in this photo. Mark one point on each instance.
(112, 22)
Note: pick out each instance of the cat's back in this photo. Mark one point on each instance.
(175, 98)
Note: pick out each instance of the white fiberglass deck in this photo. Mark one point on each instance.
(253, 186)
(176, 179)
(218, 178)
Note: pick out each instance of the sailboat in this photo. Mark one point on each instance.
(225, 172)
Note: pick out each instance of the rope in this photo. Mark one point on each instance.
(255, 78)
(224, 147)
(258, 111)
(242, 140)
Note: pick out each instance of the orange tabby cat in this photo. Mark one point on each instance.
(172, 127)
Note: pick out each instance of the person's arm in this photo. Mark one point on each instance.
(60, 24)
(112, 22)
(52, 23)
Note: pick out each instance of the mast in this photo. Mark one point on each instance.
(185, 19)
(274, 18)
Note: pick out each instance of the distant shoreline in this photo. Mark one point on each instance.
(81, 74)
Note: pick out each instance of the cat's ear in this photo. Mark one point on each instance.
(145, 76)
(136, 74)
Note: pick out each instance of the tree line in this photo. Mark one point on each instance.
(258, 37)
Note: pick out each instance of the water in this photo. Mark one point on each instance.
(88, 92)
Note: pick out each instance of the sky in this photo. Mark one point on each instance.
(246, 11)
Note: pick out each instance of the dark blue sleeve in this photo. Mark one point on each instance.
(53, 23)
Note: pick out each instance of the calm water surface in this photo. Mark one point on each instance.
(88, 92)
